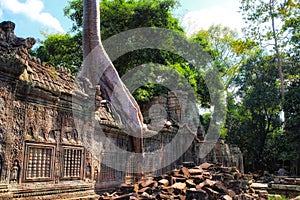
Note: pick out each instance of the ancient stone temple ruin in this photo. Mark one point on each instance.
(167, 109)
(42, 152)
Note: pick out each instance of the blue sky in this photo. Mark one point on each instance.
(33, 16)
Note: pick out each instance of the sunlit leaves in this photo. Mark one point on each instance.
(61, 49)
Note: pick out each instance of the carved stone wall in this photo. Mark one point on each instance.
(5, 128)
(40, 146)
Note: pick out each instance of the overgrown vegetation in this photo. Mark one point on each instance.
(260, 70)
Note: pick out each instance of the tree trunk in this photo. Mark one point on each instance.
(99, 69)
(91, 27)
(277, 54)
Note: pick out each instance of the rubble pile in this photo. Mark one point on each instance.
(206, 181)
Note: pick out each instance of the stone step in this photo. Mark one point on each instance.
(286, 187)
(53, 191)
(3, 187)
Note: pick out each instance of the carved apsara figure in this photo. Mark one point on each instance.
(15, 171)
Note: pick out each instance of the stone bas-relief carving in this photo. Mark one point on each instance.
(41, 152)
(15, 172)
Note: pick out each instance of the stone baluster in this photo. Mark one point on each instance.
(43, 167)
(29, 171)
(78, 159)
(39, 162)
(48, 162)
(73, 161)
(34, 163)
(69, 162)
(65, 162)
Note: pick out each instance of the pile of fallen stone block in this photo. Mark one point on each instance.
(206, 181)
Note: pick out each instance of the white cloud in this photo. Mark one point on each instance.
(1, 13)
(33, 10)
(204, 18)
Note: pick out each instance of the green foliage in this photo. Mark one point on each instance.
(256, 102)
(160, 79)
(61, 49)
(217, 42)
(272, 197)
(226, 49)
(74, 11)
(121, 15)
(148, 91)
(290, 12)
(273, 23)
(205, 120)
(264, 26)
(118, 16)
(291, 138)
(253, 116)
